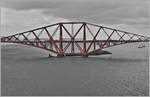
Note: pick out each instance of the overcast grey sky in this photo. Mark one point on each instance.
(22, 15)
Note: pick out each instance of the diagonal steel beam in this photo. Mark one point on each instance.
(51, 39)
(93, 39)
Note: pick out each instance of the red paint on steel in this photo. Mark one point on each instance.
(73, 43)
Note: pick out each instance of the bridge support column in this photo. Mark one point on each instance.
(50, 56)
(60, 55)
(84, 55)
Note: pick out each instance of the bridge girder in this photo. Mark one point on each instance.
(74, 38)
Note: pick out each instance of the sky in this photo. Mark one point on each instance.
(23, 15)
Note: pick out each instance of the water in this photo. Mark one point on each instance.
(28, 71)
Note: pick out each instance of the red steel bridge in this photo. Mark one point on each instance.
(74, 38)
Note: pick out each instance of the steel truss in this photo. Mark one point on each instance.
(74, 38)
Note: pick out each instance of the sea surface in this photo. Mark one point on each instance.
(27, 71)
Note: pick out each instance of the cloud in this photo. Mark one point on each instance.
(29, 5)
(98, 11)
(18, 21)
(108, 12)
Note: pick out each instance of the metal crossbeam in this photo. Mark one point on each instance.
(74, 38)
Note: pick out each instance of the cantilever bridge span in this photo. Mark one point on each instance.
(74, 38)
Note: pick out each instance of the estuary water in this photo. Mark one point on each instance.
(27, 71)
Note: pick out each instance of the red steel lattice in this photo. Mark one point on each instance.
(74, 38)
